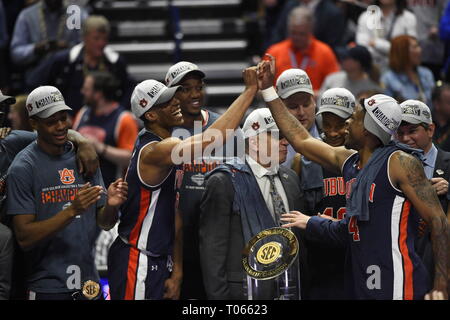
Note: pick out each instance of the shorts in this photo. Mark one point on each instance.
(133, 275)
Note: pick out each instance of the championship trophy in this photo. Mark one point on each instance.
(270, 261)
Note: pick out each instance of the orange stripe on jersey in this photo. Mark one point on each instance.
(407, 264)
(131, 274)
(143, 208)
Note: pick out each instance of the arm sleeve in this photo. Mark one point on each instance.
(216, 209)
(333, 233)
(128, 131)
(22, 49)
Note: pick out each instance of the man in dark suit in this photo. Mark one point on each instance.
(416, 130)
(242, 198)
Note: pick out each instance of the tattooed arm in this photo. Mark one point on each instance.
(327, 156)
(406, 172)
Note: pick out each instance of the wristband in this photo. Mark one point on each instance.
(269, 94)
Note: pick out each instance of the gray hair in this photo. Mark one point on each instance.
(301, 15)
(97, 23)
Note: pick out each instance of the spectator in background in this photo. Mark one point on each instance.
(428, 15)
(18, 115)
(111, 128)
(406, 79)
(272, 9)
(377, 28)
(356, 74)
(39, 32)
(441, 116)
(326, 14)
(67, 69)
(302, 50)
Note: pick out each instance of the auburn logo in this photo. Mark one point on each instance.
(66, 176)
(143, 103)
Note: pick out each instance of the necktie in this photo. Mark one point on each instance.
(278, 205)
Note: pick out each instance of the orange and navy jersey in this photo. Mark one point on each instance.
(147, 220)
(382, 262)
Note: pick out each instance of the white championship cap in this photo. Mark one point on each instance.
(150, 93)
(45, 101)
(415, 112)
(7, 99)
(258, 121)
(179, 70)
(292, 81)
(383, 116)
(338, 101)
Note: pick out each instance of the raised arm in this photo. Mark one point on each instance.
(225, 125)
(329, 157)
(407, 173)
(172, 150)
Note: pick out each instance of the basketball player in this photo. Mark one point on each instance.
(326, 263)
(384, 182)
(140, 260)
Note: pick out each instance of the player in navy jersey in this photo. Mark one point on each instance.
(196, 119)
(325, 263)
(140, 260)
(385, 182)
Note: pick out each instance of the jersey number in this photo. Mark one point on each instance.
(353, 228)
(340, 213)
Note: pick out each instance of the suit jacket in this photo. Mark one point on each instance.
(221, 237)
(423, 243)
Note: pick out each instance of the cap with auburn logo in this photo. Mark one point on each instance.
(383, 116)
(258, 121)
(150, 93)
(45, 101)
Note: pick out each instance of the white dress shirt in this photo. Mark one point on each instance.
(261, 174)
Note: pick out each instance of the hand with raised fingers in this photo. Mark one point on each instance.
(250, 80)
(87, 196)
(266, 72)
